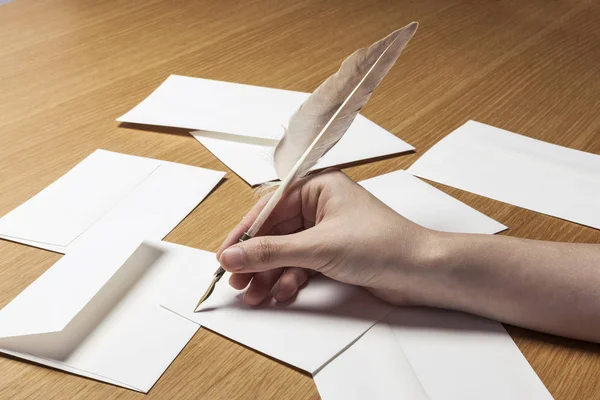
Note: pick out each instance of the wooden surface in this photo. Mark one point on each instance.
(68, 68)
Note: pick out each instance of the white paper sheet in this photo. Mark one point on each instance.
(96, 312)
(437, 355)
(139, 196)
(427, 206)
(373, 368)
(518, 170)
(458, 356)
(227, 107)
(324, 319)
(240, 124)
(252, 158)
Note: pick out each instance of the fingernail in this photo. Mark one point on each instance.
(233, 259)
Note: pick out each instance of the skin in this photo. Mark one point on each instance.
(330, 225)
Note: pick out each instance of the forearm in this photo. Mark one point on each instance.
(545, 286)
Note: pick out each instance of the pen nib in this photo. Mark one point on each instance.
(211, 287)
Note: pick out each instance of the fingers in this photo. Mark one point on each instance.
(299, 206)
(240, 281)
(261, 286)
(282, 283)
(290, 281)
(286, 218)
(269, 252)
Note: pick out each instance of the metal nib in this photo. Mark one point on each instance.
(218, 274)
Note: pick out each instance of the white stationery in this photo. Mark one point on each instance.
(320, 323)
(241, 124)
(423, 353)
(518, 170)
(127, 195)
(427, 206)
(96, 312)
(374, 368)
(458, 356)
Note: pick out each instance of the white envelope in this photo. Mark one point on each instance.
(241, 124)
(324, 319)
(373, 368)
(423, 353)
(96, 312)
(518, 170)
(458, 356)
(137, 196)
(427, 206)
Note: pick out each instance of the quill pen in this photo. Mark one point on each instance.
(324, 117)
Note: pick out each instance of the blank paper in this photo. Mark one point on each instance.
(226, 107)
(241, 124)
(96, 312)
(252, 158)
(135, 195)
(322, 321)
(518, 170)
(373, 368)
(458, 356)
(427, 206)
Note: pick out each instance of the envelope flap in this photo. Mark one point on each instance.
(55, 298)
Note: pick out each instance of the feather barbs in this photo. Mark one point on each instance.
(325, 116)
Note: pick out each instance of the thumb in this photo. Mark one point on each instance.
(269, 252)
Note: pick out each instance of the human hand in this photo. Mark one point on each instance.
(329, 224)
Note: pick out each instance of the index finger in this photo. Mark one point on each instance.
(288, 208)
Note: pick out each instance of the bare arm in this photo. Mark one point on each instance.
(545, 286)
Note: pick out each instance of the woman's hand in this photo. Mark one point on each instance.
(329, 224)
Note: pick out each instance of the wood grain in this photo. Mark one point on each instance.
(68, 68)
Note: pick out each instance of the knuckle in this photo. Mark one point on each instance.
(267, 251)
(336, 178)
(335, 173)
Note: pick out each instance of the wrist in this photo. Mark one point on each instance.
(435, 269)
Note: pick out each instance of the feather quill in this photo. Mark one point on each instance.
(325, 116)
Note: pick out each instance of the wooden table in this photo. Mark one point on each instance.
(68, 68)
